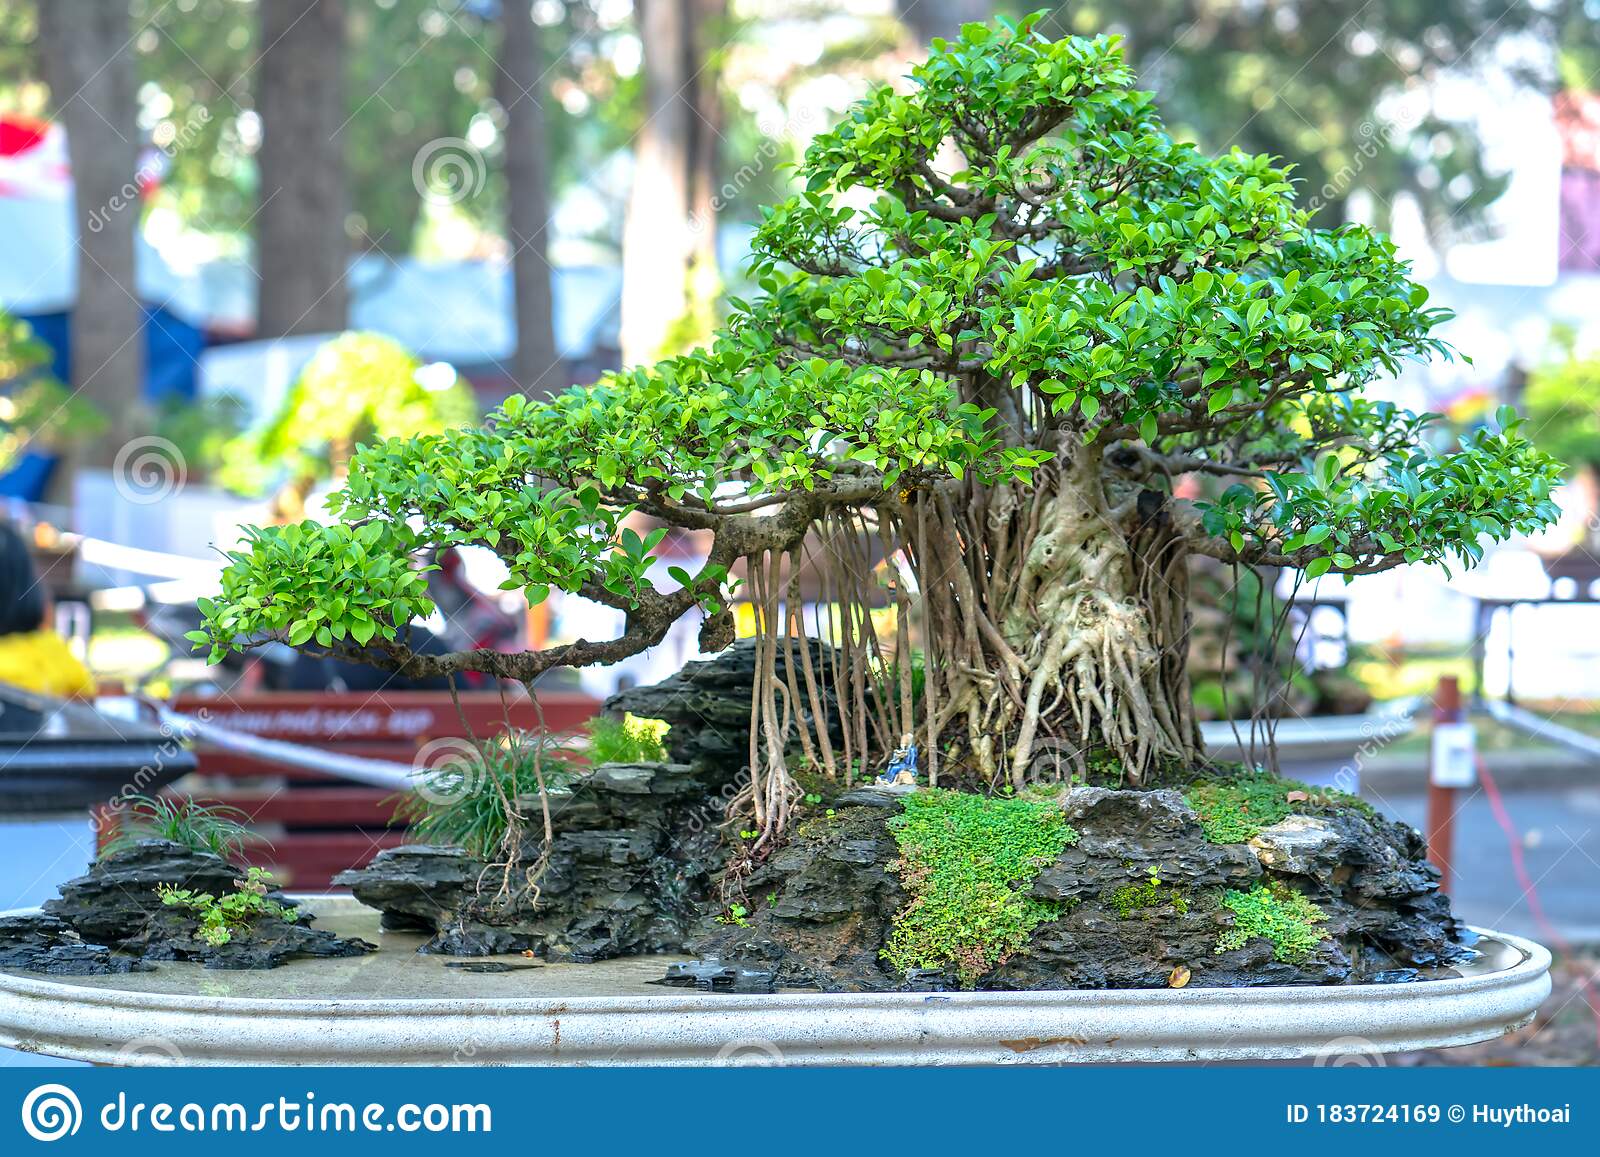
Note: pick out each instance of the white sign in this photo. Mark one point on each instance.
(1455, 754)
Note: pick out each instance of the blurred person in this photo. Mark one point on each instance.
(32, 656)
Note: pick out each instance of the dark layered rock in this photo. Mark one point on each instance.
(1374, 877)
(41, 943)
(267, 943)
(822, 908)
(708, 702)
(635, 851)
(117, 896)
(417, 886)
(112, 919)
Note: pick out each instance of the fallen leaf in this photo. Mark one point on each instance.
(1180, 976)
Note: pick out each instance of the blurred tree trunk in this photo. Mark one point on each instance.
(301, 249)
(537, 363)
(707, 33)
(671, 224)
(929, 18)
(87, 59)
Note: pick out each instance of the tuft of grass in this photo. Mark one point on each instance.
(1233, 810)
(1278, 913)
(218, 828)
(630, 739)
(473, 802)
(966, 861)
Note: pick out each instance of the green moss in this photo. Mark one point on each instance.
(1233, 810)
(1278, 913)
(1131, 898)
(966, 862)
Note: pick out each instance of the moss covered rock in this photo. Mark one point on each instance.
(1132, 893)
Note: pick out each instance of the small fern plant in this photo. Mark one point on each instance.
(222, 917)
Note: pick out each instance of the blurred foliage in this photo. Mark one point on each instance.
(1579, 21)
(35, 408)
(417, 71)
(195, 59)
(630, 739)
(1294, 78)
(359, 387)
(19, 62)
(1307, 81)
(1562, 400)
(201, 428)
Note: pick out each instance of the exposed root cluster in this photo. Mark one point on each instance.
(1050, 627)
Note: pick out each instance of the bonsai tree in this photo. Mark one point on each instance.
(1006, 312)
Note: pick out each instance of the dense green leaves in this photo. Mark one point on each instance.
(314, 585)
(1349, 511)
(1004, 261)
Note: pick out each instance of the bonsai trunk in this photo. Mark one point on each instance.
(1066, 615)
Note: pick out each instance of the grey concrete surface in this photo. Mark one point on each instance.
(1558, 829)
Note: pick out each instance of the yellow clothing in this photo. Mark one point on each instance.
(39, 661)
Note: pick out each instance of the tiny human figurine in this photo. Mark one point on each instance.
(902, 769)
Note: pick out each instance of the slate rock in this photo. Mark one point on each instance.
(823, 906)
(268, 942)
(117, 902)
(636, 847)
(708, 702)
(415, 885)
(43, 943)
(117, 896)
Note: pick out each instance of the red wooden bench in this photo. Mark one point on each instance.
(319, 825)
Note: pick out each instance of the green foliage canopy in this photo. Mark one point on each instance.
(1008, 257)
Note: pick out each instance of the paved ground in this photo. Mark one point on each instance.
(1559, 834)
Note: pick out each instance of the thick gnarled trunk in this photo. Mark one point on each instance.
(1064, 615)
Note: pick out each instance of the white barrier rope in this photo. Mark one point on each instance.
(377, 772)
(1524, 720)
